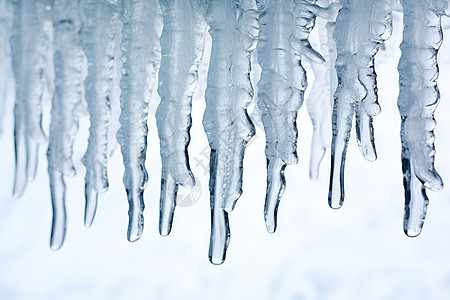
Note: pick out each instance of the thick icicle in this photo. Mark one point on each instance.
(361, 27)
(284, 32)
(218, 120)
(30, 41)
(98, 32)
(320, 99)
(417, 101)
(182, 41)
(68, 60)
(234, 30)
(141, 58)
(244, 39)
(6, 16)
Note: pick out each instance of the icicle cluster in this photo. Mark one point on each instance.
(166, 38)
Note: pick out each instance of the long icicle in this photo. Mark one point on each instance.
(245, 37)
(284, 32)
(141, 58)
(98, 33)
(68, 60)
(29, 42)
(218, 120)
(320, 99)
(361, 27)
(182, 42)
(417, 101)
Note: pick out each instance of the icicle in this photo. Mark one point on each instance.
(98, 32)
(244, 42)
(218, 120)
(234, 30)
(29, 43)
(320, 99)
(417, 101)
(182, 43)
(361, 27)
(141, 57)
(68, 60)
(6, 16)
(284, 32)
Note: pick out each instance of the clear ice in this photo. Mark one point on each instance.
(29, 44)
(66, 107)
(97, 35)
(320, 99)
(141, 41)
(283, 41)
(141, 55)
(361, 26)
(417, 100)
(182, 42)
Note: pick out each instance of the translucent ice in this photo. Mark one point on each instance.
(182, 41)
(141, 58)
(234, 30)
(29, 43)
(68, 57)
(320, 99)
(98, 33)
(361, 26)
(417, 101)
(6, 16)
(284, 32)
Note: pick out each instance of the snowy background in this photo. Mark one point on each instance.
(357, 252)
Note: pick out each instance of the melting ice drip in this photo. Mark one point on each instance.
(166, 38)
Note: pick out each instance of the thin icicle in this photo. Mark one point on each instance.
(320, 99)
(68, 60)
(98, 32)
(417, 101)
(182, 43)
(284, 32)
(30, 41)
(6, 17)
(361, 27)
(141, 58)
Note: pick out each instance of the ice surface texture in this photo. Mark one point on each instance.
(165, 38)
(182, 41)
(417, 101)
(320, 99)
(141, 56)
(234, 30)
(30, 41)
(361, 26)
(68, 56)
(284, 32)
(98, 33)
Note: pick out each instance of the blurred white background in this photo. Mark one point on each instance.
(357, 252)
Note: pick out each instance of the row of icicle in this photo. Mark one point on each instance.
(165, 40)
